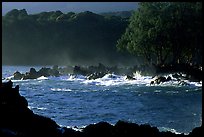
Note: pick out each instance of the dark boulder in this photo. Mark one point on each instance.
(168, 78)
(96, 75)
(197, 132)
(49, 72)
(160, 79)
(193, 72)
(54, 73)
(100, 129)
(69, 132)
(183, 83)
(124, 129)
(32, 74)
(44, 71)
(152, 83)
(128, 77)
(16, 119)
(18, 76)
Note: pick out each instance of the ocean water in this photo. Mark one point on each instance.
(75, 101)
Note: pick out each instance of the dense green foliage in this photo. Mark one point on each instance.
(58, 38)
(165, 33)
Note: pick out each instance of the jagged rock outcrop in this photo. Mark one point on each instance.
(33, 74)
(16, 119)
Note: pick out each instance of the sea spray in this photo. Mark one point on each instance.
(76, 100)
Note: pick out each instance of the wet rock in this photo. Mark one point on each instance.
(16, 120)
(183, 83)
(96, 75)
(44, 71)
(18, 76)
(197, 132)
(193, 72)
(160, 79)
(168, 78)
(54, 73)
(128, 77)
(100, 129)
(32, 74)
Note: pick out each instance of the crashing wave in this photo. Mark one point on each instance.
(42, 78)
(111, 79)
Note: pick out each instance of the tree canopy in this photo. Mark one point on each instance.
(165, 33)
(61, 38)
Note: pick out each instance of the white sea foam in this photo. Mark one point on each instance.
(42, 78)
(197, 84)
(76, 78)
(137, 74)
(61, 89)
(164, 129)
(41, 108)
(107, 80)
(112, 80)
(38, 108)
(10, 77)
(77, 128)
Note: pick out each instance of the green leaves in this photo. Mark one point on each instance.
(168, 31)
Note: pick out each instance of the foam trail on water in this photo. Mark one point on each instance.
(61, 89)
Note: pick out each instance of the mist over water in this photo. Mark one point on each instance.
(72, 100)
(56, 38)
(87, 39)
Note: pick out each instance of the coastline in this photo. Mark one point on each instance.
(19, 121)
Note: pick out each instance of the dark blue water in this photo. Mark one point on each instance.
(79, 102)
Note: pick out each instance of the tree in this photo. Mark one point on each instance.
(49, 38)
(164, 32)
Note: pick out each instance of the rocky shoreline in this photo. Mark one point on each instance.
(180, 73)
(17, 120)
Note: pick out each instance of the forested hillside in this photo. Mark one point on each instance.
(60, 38)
